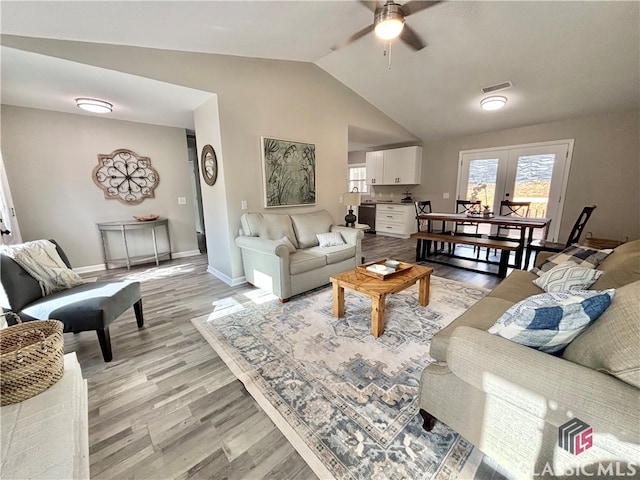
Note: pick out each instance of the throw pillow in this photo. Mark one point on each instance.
(330, 239)
(611, 344)
(550, 321)
(287, 243)
(584, 256)
(567, 276)
(275, 226)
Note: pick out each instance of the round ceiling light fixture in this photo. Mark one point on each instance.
(388, 21)
(93, 105)
(493, 103)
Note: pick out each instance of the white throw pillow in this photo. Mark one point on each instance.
(567, 276)
(330, 239)
(287, 243)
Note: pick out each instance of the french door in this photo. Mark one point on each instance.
(9, 231)
(535, 173)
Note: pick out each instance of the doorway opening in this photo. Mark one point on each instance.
(192, 151)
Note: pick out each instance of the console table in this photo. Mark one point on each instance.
(127, 225)
(47, 436)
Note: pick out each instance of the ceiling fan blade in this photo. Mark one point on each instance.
(414, 6)
(411, 38)
(371, 4)
(354, 37)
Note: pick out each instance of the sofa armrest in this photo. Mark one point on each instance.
(542, 257)
(542, 384)
(262, 245)
(351, 235)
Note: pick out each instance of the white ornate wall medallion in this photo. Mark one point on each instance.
(125, 176)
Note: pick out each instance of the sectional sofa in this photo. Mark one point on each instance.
(512, 401)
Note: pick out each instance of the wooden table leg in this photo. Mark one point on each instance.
(338, 300)
(423, 291)
(377, 315)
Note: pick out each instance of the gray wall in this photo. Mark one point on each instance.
(49, 158)
(605, 169)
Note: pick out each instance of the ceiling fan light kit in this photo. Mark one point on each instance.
(389, 21)
(495, 102)
(93, 105)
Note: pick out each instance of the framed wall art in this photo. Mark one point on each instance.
(289, 173)
(209, 165)
(125, 176)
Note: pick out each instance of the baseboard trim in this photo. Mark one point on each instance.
(232, 282)
(188, 253)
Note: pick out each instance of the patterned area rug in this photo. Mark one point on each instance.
(346, 400)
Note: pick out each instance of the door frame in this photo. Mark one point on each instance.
(554, 228)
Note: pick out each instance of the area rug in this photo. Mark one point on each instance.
(347, 401)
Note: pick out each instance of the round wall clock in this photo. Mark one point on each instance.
(209, 165)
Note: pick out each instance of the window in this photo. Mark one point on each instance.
(358, 178)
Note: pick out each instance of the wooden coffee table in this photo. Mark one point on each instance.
(378, 289)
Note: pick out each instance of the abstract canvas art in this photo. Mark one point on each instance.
(289, 170)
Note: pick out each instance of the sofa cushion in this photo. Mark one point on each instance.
(584, 256)
(567, 276)
(274, 226)
(335, 254)
(550, 321)
(251, 223)
(305, 261)
(307, 225)
(612, 343)
(287, 243)
(621, 267)
(517, 286)
(481, 316)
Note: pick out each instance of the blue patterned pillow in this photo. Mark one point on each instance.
(584, 256)
(550, 321)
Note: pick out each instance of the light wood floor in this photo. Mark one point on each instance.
(167, 407)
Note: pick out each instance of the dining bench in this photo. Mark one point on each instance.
(423, 248)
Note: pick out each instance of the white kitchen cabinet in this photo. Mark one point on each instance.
(396, 220)
(397, 166)
(375, 167)
(402, 166)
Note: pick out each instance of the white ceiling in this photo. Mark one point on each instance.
(565, 58)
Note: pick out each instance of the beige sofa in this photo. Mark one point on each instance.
(509, 400)
(269, 265)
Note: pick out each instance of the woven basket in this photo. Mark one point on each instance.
(31, 358)
(601, 243)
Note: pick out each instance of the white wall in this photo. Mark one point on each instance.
(50, 157)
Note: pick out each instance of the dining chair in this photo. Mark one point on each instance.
(576, 232)
(467, 228)
(510, 209)
(423, 207)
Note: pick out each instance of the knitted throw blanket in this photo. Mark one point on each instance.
(41, 260)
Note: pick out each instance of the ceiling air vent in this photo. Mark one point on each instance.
(496, 87)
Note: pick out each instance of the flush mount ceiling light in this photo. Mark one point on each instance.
(493, 103)
(388, 21)
(93, 105)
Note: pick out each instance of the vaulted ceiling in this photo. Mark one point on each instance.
(565, 58)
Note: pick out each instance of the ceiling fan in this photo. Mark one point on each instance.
(389, 22)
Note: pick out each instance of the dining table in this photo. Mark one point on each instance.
(526, 225)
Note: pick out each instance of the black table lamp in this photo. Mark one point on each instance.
(352, 199)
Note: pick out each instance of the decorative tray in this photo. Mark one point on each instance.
(146, 218)
(380, 271)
